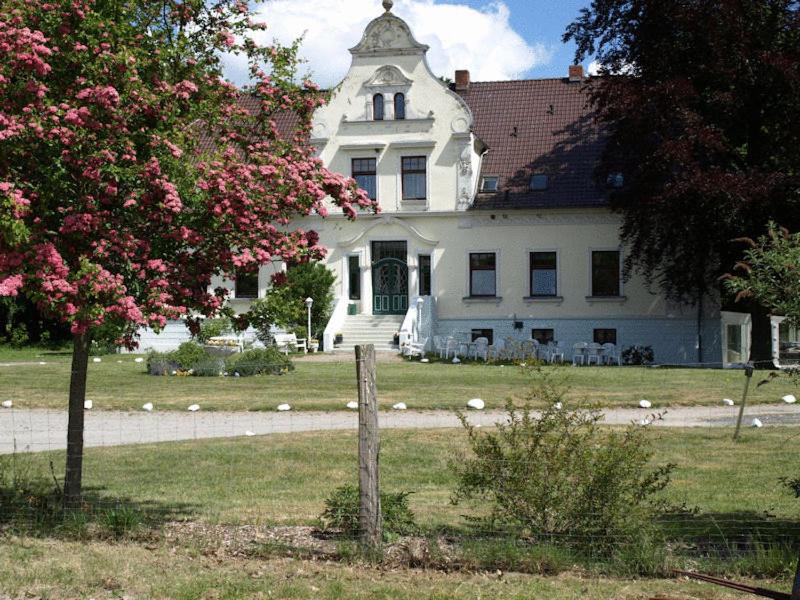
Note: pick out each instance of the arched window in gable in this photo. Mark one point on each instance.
(399, 106)
(377, 107)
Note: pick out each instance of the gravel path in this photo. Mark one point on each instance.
(38, 430)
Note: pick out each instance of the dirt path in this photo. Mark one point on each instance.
(38, 430)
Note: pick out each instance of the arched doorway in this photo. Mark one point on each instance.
(389, 278)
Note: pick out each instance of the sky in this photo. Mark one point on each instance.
(493, 39)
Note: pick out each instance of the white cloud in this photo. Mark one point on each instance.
(460, 37)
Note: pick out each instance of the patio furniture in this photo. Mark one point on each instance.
(480, 347)
(556, 352)
(415, 348)
(513, 349)
(610, 353)
(594, 353)
(579, 353)
(289, 341)
(228, 341)
(439, 345)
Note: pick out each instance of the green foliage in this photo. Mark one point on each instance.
(638, 355)
(285, 306)
(263, 361)
(793, 485)
(188, 355)
(560, 476)
(770, 273)
(214, 328)
(342, 506)
(121, 520)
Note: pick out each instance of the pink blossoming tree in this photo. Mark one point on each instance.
(131, 172)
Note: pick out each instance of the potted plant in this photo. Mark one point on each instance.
(338, 339)
(313, 345)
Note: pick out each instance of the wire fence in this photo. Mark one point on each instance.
(242, 469)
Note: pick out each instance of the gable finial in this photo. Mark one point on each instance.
(388, 4)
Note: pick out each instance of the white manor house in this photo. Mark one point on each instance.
(491, 224)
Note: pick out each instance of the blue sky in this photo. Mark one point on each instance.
(541, 21)
(494, 39)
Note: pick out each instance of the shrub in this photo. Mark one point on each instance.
(214, 328)
(561, 477)
(258, 362)
(638, 355)
(188, 355)
(342, 506)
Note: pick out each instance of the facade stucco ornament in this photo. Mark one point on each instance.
(388, 76)
(465, 179)
(388, 35)
(388, 4)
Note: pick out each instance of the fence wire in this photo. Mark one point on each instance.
(270, 476)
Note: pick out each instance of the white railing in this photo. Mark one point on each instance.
(335, 323)
(416, 326)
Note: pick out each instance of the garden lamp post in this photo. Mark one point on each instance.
(309, 302)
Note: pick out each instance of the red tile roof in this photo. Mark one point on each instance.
(536, 126)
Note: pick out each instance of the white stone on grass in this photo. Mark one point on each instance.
(119, 362)
(789, 399)
(757, 423)
(284, 407)
(148, 407)
(88, 404)
(352, 405)
(476, 404)
(249, 433)
(194, 408)
(138, 360)
(645, 404)
(400, 406)
(456, 360)
(41, 362)
(558, 406)
(425, 360)
(728, 402)
(7, 404)
(97, 359)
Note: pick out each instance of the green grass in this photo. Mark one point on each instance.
(284, 479)
(330, 385)
(65, 570)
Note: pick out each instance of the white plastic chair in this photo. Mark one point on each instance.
(480, 348)
(415, 348)
(593, 351)
(578, 353)
(610, 353)
(556, 352)
(439, 345)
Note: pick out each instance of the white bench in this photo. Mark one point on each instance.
(287, 341)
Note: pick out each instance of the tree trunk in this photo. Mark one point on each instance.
(77, 396)
(700, 329)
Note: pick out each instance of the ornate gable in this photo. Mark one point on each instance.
(388, 35)
(388, 76)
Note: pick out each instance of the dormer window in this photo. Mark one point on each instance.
(377, 107)
(399, 106)
(489, 183)
(539, 182)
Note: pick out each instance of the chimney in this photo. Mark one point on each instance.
(575, 73)
(462, 80)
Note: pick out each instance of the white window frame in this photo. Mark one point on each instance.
(497, 278)
(559, 295)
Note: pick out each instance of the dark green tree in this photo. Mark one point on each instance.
(699, 100)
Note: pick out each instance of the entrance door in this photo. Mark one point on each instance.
(389, 278)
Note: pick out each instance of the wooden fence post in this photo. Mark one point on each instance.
(369, 515)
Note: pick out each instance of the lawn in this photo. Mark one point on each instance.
(120, 383)
(283, 479)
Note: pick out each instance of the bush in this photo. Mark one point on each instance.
(214, 328)
(341, 512)
(188, 355)
(638, 355)
(560, 477)
(258, 362)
